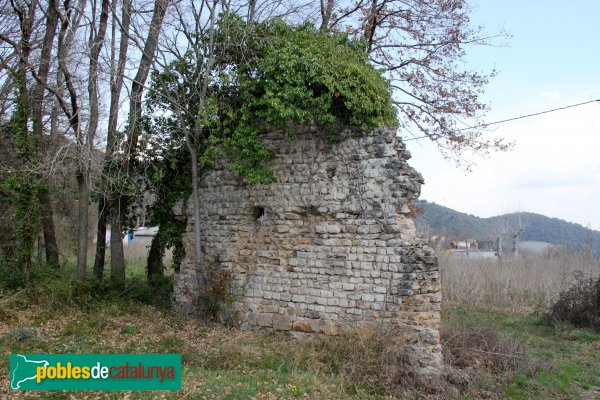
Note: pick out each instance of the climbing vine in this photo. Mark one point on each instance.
(21, 189)
(306, 76)
(287, 76)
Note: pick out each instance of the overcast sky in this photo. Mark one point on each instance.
(551, 61)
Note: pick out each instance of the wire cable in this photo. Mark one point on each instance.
(485, 125)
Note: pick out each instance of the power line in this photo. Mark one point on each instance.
(530, 115)
(485, 125)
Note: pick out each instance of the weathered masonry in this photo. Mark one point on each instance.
(329, 247)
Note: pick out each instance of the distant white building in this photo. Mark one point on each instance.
(138, 236)
(475, 255)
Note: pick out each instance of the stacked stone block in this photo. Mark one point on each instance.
(330, 247)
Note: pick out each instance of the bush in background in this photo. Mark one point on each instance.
(579, 304)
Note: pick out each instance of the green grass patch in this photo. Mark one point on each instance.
(569, 357)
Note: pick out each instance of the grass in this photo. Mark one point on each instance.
(497, 352)
(566, 363)
(217, 362)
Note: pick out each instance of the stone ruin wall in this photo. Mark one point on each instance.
(328, 248)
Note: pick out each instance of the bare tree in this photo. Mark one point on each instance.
(511, 227)
(194, 24)
(119, 205)
(117, 73)
(70, 17)
(34, 106)
(51, 246)
(96, 41)
(421, 45)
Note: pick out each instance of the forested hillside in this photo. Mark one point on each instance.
(445, 221)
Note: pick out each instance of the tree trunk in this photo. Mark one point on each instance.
(191, 142)
(26, 193)
(156, 267)
(371, 25)
(82, 243)
(499, 247)
(83, 217)
(251, 10)
(100, 239)
(197, 225)
(515, 245)
(137, 86)
(50, 244)
(117, 256)
(326, 11)
(38, 129)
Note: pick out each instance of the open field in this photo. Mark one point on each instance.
(494, 347)
(525, 285)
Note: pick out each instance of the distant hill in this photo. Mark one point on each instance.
(440, 220)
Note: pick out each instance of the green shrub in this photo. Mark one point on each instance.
(58, 288)
(12, 276)
(158, 292)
